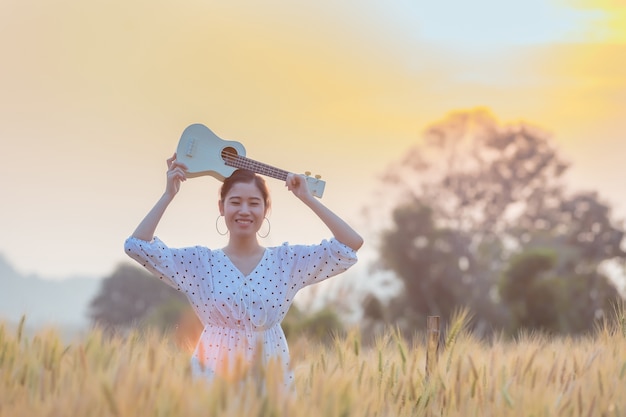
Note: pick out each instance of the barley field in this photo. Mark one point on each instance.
(148, 375)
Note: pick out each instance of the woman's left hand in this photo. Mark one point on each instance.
(297, 184)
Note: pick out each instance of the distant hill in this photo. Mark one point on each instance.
(44, 302)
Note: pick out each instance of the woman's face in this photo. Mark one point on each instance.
(243, 208)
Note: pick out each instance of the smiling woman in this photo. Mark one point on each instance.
(242, 292)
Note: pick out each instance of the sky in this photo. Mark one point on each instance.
(95, 94)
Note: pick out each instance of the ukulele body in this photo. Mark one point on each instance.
(201, 150)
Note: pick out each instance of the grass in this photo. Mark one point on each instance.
(148, 375)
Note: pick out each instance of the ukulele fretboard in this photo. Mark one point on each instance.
(242, 162)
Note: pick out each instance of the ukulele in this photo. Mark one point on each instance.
(205, 153)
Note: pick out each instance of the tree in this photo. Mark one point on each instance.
(469, 198)
(321, 326)
(132, 296)
(429, 260)
(541, 299)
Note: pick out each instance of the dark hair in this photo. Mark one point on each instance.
(247, 177)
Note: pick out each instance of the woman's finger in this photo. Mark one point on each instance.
(177, 172)
(177, 165)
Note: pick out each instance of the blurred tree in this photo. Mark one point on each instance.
(132, 296)
(321, 325)
(430, 260)
(470, 197)
(167, 314)
(539, 298)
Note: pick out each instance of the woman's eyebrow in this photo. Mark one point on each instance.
(236, 197)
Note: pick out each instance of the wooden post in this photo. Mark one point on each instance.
(432, 326)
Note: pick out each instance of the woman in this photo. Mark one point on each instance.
(242, 292)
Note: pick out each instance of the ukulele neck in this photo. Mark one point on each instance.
(242, 162)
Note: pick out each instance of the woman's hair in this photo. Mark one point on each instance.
(247, 177)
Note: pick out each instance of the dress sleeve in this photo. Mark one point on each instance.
(175, 267)
(316, 263)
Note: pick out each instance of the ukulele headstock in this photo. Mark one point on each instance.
(316, 184)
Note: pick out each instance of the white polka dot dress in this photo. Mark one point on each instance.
(241, 314)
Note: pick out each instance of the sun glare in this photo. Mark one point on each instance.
(612, 25)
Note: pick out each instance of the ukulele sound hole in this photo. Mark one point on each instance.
(229, 154)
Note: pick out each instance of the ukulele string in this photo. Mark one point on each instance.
(258, 167)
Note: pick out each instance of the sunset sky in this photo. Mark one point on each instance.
(94, 96)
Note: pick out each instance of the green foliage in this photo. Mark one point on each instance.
(524, 271)
(539, 298)
(166, 315)
(321, 326)
(532, 295)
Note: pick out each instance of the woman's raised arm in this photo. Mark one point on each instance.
(175, 176)
(341, 230)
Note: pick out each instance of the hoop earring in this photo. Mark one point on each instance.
(269, 228)
(218, 228)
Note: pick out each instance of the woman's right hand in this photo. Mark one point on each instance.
(176, 174)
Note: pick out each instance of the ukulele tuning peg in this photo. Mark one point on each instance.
(318, 176)
(307, 173)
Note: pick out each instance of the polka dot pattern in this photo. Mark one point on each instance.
(241, 313)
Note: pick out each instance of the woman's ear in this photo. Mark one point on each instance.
(220, 205)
